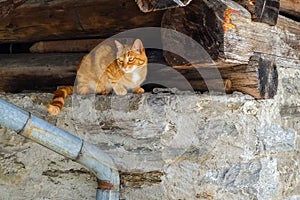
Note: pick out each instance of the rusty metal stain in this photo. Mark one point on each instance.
(104, 185)
(28, 131)
(226, 24)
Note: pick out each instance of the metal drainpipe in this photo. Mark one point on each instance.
(66, 144)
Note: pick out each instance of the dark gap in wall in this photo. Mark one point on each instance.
(293, 17)
(12, 48)
(155, 56)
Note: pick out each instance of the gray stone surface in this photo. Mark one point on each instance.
(207, 146)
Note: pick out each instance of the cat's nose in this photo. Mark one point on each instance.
(126, 67)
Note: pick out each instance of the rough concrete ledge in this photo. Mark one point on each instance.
(166, 146)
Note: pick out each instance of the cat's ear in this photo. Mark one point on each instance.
(119, 45)
(137, 46)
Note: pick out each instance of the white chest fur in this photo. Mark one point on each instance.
(135, 77)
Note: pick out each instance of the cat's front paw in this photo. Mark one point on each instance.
(121, 91)
(105, 91)
(139, 90)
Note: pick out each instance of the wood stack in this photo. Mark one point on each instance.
(246, 40)
(249, 48)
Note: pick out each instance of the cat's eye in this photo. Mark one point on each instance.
(131, 59)
(120, 61)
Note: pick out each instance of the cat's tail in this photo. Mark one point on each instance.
(58, 100)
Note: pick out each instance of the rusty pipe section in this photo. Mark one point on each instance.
(66, 144)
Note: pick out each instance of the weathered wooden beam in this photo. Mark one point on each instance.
(227, 33)
(291, 8)
(45, 72)
(40, 72)
(258, 78)
(7, 6)
(187, 78)
(198, 21)
(69, 19)
(60, 46)
(262, 10)
(266, 11)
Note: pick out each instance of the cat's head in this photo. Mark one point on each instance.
(131, 58)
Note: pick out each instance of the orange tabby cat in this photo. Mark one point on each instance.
(107, 67)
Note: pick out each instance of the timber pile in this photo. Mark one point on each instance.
(57, 19)
(250, 47)
(246, 40)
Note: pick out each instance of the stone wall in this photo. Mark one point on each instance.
(166, 145)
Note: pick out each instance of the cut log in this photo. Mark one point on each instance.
(56, 20)
(39, 72)
(291, 8)
(45, 72)
(259, 78)
(69, 19)
(198, 21)
(69, 46)
(227, 34)
(187, 78)
(266, 11)
(65, 46)
(262, 10)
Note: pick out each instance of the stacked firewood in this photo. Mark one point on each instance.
(247, 40)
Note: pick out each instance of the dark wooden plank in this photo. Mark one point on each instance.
(60, 46)
(259, 77)
(227, 33)
(200, 21)
(54, 20)
(290, 8)
(45, 72)
(266, 11)
(7, 6)
(37, 72)
(262, 10)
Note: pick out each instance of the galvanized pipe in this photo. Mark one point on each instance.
(66, 144)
